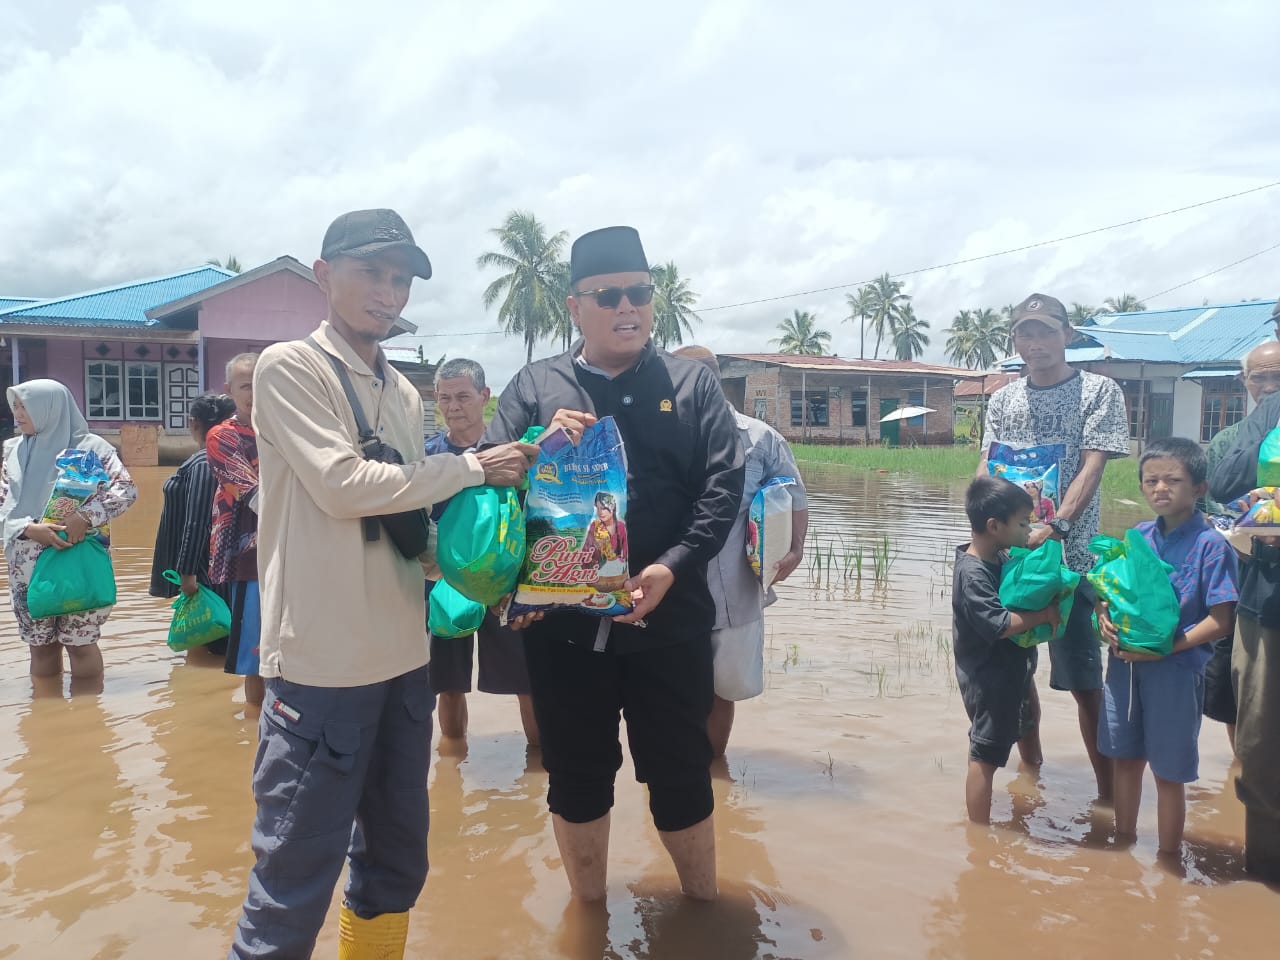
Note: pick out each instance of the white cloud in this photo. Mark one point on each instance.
(765, 148)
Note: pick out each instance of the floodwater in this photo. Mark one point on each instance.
(125, 811)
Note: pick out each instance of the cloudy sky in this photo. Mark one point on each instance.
(766, 148)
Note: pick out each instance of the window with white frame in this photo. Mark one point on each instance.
(103, 390)
(128, 390)
(142, 387)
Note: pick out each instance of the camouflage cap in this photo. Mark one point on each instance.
(1041, 308)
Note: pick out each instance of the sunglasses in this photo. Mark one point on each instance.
(638, 295)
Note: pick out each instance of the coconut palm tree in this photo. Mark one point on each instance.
(1080, 312)
(990, 337)
(800, 336)
(673, 314)
(860, 306)
(960, 347)
(1125, 303)
(531, 291)
(561, 320)
(908, 333)
(886, 301)
(231, 264)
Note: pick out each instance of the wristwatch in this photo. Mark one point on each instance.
(1061, 526)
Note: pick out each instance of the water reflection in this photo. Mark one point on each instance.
(488, 820)
(43, 795)
(125, 810)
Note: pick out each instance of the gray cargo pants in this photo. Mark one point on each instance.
(340, 772)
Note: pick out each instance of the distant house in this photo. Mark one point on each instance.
(833, 400)
(970, 403)
(136, 354)
(1179, 369)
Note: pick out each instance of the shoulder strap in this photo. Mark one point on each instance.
(357, 410)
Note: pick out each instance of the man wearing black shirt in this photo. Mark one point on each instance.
(1255, 658)
(684, 484)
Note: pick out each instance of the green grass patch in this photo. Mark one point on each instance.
(949, 464)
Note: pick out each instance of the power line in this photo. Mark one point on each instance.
(432, 336)
(1203, 276)
(962, 262)
(1002, 253)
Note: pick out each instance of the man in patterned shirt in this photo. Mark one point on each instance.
(1083, 416)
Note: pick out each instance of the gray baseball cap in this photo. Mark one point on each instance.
(366, 233)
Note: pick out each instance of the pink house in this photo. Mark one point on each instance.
(139, 353)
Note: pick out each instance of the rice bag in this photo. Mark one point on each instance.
(1035, 469)
(1033, 579)
(1261, 519)
(769, 528)
(80, 476)
(575, 526)
(1135, 584)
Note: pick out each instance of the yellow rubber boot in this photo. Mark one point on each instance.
(381, 938)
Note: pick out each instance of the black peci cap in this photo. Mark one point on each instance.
(610, 250)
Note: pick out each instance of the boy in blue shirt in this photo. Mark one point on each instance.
(994, 673)
(1152, 705)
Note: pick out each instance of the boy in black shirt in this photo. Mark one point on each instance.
(993, 671)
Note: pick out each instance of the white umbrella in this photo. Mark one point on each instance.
(906, 413)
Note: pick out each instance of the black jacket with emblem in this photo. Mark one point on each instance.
(684, 477)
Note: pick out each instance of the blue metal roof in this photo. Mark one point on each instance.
(8, 303)
(1203, 374)
(1221, 334)
(124, 305)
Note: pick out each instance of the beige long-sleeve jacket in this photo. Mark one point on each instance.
(338, 611)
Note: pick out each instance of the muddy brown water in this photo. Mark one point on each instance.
(125, 812)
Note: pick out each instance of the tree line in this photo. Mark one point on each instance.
(530, 293)
(977, 337)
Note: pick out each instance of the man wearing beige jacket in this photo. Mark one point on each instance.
(345, 732)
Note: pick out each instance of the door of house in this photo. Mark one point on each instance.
(181, 386)
(889, 432)
(1161, 421)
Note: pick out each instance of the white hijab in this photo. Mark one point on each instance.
(29, 461)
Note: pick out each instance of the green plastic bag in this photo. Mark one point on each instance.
(198, 619)
(481, 543)
(450, 614)
(73, 580)
(1269, 460)
(480, 540)
(1032, 580)
(1135, 585)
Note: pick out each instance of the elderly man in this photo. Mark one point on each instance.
(345, 732)
(461, 395)
(232, 452)
(1260, 371)
(738, 638)
(1255, 659)
(684, 484)
(1080, 419)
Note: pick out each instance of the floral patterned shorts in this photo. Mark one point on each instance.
(74, 630)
